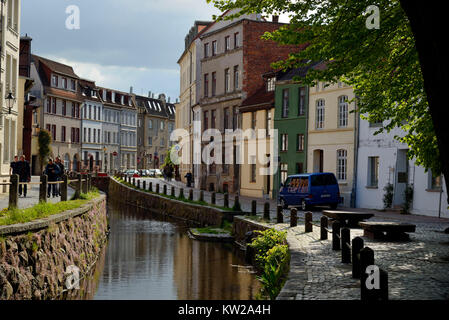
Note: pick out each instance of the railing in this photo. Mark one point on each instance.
(43, 187)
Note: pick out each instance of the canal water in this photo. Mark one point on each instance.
(148, 257)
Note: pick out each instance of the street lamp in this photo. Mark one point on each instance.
(10, 100)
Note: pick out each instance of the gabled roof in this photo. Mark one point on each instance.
(117, 102)
(151, 106)
(86, 87)
(298, 72)
(261, 99)
(54, 66)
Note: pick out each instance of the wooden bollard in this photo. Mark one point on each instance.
(201, 196)
(144, 185)
(293, 217)
(173, 192)
(254, 207)
(138, 184)
(134, 181)
(345, 242)
(89, 182)
(164, 189)
(213, 198)
(279, 215)
(357, 246)
(383, 293)
(64, 185)
(79, 187)
(266, 211)
(181, 193)
(191, 194)
(336, 235)
(157, 188)
(43, 189)
(226, 200)
(85, 184)
(308, 222)
(14, 192)
(366, 260)
(323, 229)
(151, 187)
(237, 206)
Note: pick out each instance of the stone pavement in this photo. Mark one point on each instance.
(32, 196)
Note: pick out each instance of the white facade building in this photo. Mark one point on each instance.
(383, 160)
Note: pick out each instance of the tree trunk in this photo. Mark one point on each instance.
(428, 21)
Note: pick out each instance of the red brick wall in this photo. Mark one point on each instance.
(258, 54)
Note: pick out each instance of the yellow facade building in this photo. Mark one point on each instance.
(332, 134)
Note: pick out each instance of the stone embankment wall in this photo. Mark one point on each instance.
(198, 214)
(34, 257)
(243, 225)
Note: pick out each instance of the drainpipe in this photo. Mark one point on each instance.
(356, 156)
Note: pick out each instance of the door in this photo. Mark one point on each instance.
(318, 159)
(401, 178)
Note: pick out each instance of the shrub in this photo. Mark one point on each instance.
(388, 196)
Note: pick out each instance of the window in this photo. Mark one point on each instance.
(226, 118)
(284, 142)
(150, 141)
(300, 142)
(162, 142)
(162, 125)
(435, 182)
(285, 103)
(236, 40)
(206, 85)
(54, 81)
(48, 105)
(53, 105)
(343, 111)
(214, 83)
(302, 101)
(271, 84)
(227, 43)
(342, 163)
(53, 132)
(206, 50)
(213, 117)
(253, 120)
(63, 137)
(268, 122)
(214, 48)
(73, 84)
(206, 120)
(284, 172)
(227, 78)
(64, 108)
(88, 135)
(64, 83)
(373, 171)
(320, 114)
(85, 135)
(90, 112)
(150, 124)
(236, 77)
(253, 169)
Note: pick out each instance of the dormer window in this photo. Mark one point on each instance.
(123, 100)
(54, 81)
(271, 84)
(64, 83)
(94, 93)
(73, 85)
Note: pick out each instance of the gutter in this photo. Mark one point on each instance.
(356, 155)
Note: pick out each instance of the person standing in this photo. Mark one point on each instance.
(52, 171)
(24, 172)
(14, 166)
(61, 173)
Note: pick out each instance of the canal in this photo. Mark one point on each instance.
(149, 257)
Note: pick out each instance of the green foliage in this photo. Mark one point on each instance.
(44, 143)
(408, 199)
(381, 65)
(388, 196)
(265, 241)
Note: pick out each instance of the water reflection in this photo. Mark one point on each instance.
(149, 257)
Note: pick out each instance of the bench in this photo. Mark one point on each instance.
(387, 230)
(348, 218)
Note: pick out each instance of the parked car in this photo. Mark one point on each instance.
(158, 172)
(132, 173)
(152, 173)
(312, 189)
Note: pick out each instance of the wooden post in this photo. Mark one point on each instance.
(14, 192)
(366, 260)
(181, 193)
(64, 185)
(173, 192)
(134, 181)
(357, 246)
(191, 194)
(254, 207)
(144, 185)
(201, 196)
(308, 223)
(138, 184)
(213, 198)
(157, 188)
(324, 226)
(43, 188)
(226, 200)
(85, 184)
(345, 242)
(280, 216)
(164, 189)
(237, 204)
(79, 186)
(266, 211)
(89, 182)
(293, 217)
(336, 235)
(151, 187)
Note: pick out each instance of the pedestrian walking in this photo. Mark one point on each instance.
(52, 171)
(24, 172)
(61, 173)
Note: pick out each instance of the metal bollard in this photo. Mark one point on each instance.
(308, 222)
(44, 187)
(89, 182)
(266, 211)
(85, 184)
(345, 242)
(336, 235)
(357, 246)
(254, 207)
(237, 206)
(134, 181)
(279, 215)
(293, 218)
(324, 226)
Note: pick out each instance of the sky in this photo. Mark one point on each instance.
(119, 43)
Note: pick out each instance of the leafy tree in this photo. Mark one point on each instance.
(44, 142)
(399, 71)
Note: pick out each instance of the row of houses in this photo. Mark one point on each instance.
(93, 128)
(227, 83)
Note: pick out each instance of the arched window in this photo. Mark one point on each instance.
(320, 104)
(342, 164)
(342, 112)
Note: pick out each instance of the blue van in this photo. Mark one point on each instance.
(310, 189)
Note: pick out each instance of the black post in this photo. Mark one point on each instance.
(134, 181)
(151, 187)
(324, 226)
(266, 211)
(293, 218)
(237, 206)
(164, 189)
(345, 242)
(308, 223)
(85, 184)
(138, 184)
(213, 199)
(157, 188)
(253, 207)
(366, 260)
(43, 188)
(191, 194)
(226, 200)
(201, 196)
(280, 216)
(144, 184)
(79, 186)
(336, 235)
(89, 182)
(14, 192)
(357, 246)
(181, 193)
(64, 185)
(173, 192)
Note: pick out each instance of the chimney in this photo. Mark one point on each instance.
(168, 99)
(275, 19)
(149, 94)
(131, 90)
